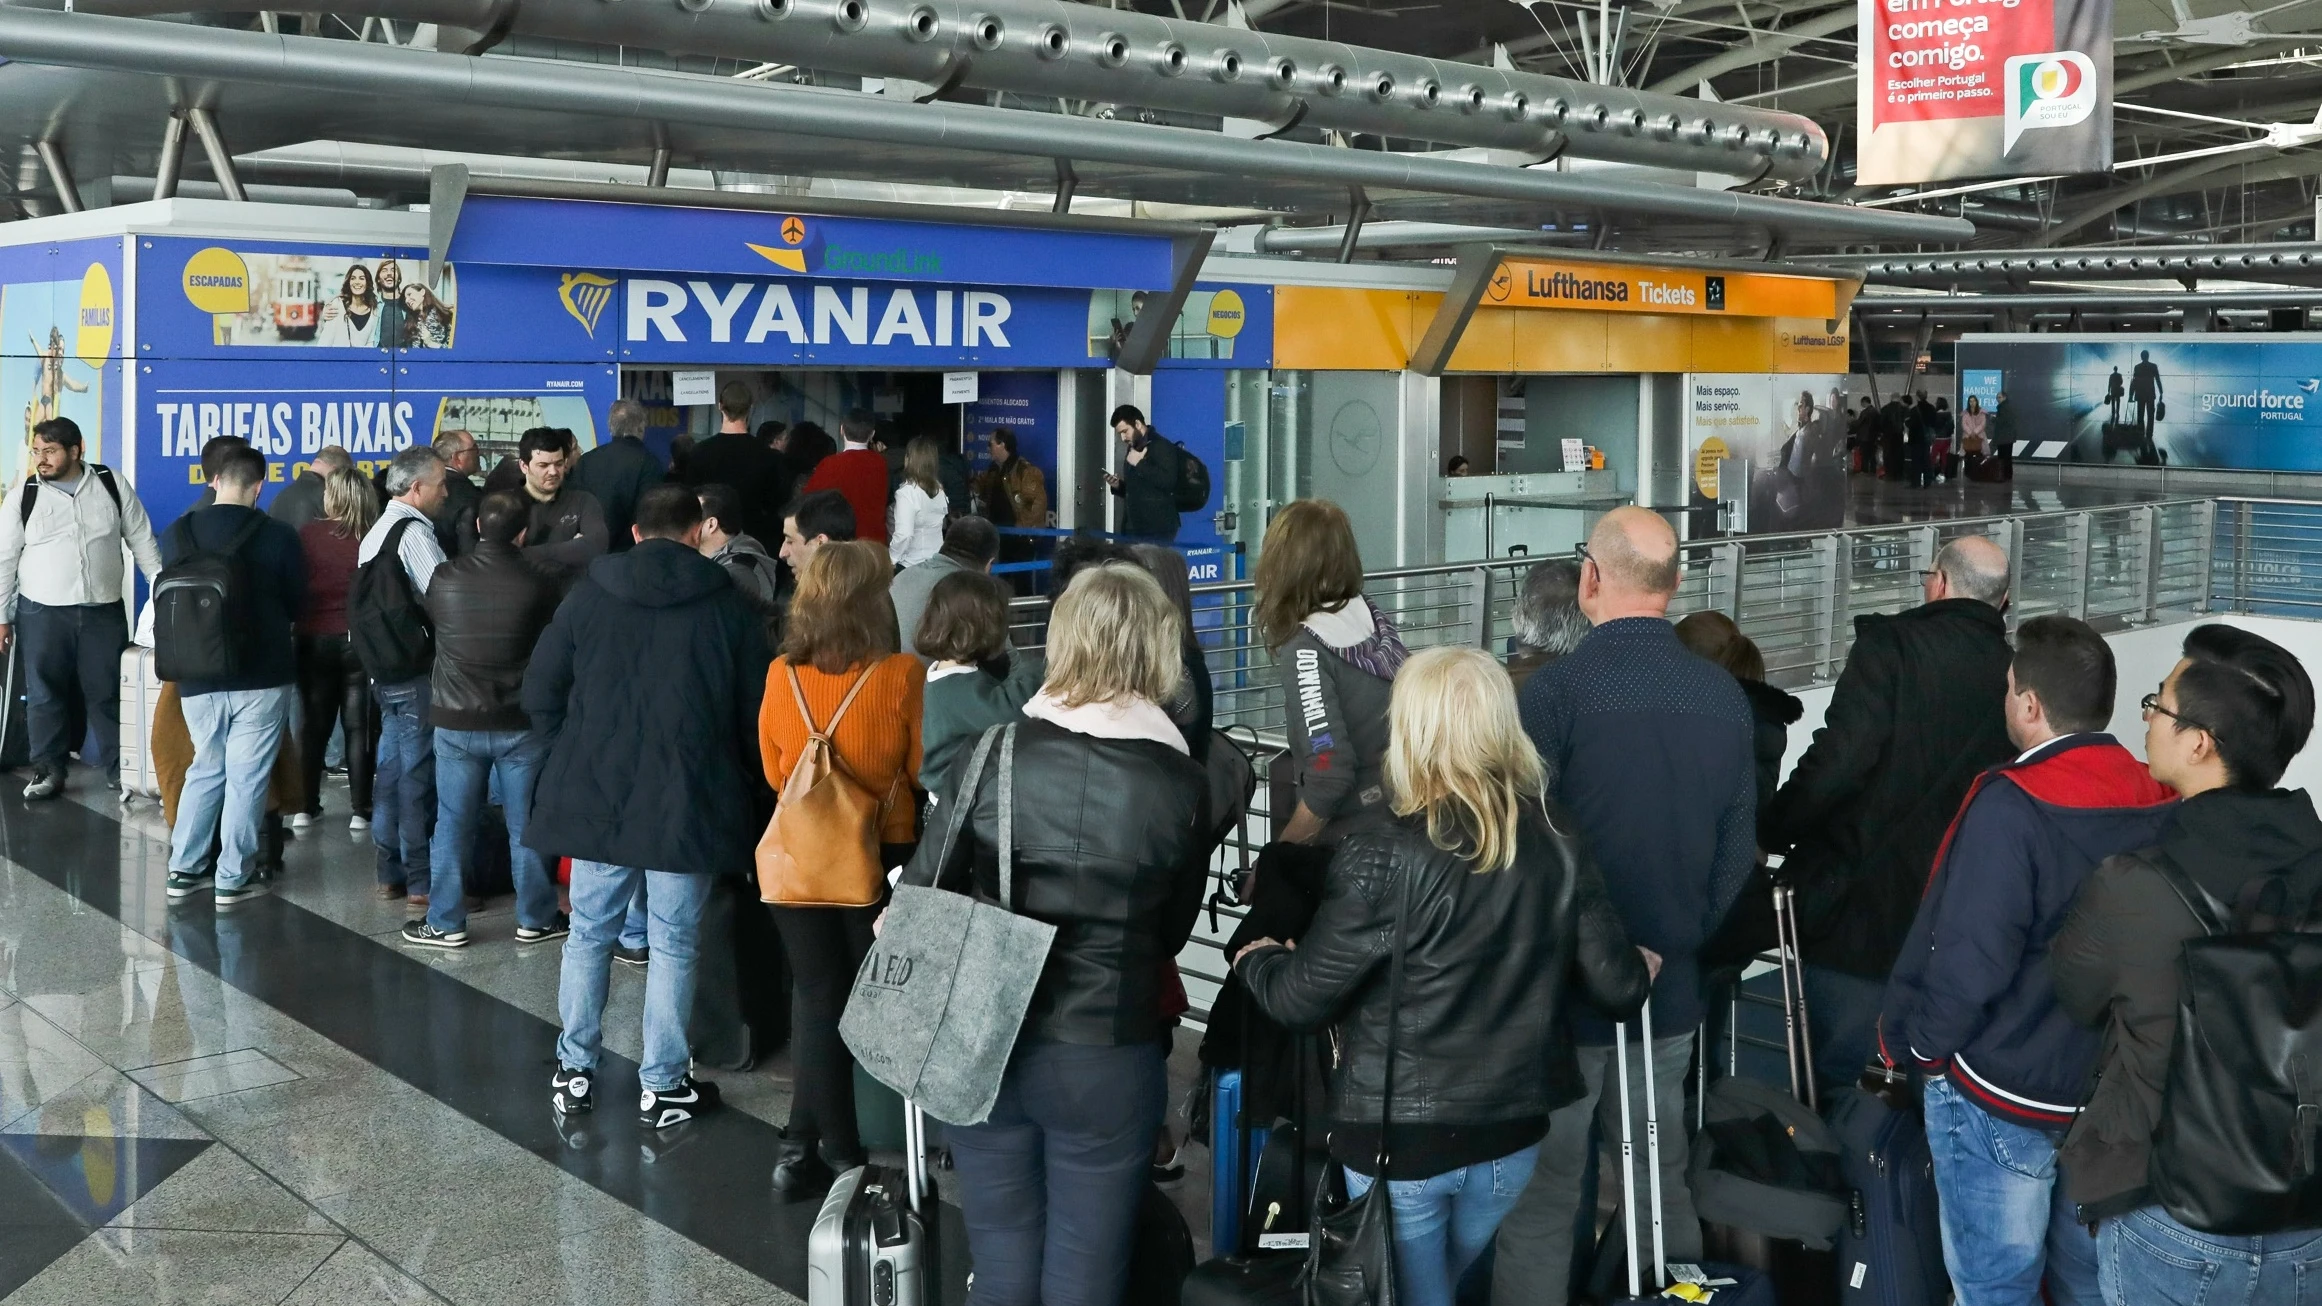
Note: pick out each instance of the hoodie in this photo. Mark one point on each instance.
(645, 688)
(1337, 678)
(754, 572)
(2114, 966)
(1970, 997)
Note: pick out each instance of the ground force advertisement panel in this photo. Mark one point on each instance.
(2156, 400)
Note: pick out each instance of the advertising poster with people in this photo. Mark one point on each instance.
(59, 349)
(2157, 401)
(1791, 431)
(314, 299)
(2005, 88)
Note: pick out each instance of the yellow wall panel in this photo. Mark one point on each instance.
(1733, 344)
(1487, 345)
(1348, 328)
(1559, 342)
(1648, 342)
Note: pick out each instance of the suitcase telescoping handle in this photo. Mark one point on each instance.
(1629, 1151)
(1798, 1036)
(915, 1159)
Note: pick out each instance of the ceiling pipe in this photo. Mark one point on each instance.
(1257, 239)
(592, 90)
(1948, 306)
(2096, 263)
(1120, 56)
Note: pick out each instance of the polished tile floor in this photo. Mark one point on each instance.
(278, 1103)
(1875, 502)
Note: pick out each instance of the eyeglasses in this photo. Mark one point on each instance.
(1580, 551)
(2151, 703)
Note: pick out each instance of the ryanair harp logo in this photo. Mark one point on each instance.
(585, 295)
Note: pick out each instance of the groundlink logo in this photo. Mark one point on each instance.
(584, 295)
(2047, 90)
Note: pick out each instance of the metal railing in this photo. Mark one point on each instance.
(1796, 596)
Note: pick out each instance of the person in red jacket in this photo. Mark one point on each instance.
(858, 472)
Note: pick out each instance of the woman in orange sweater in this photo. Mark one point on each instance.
(842, 630)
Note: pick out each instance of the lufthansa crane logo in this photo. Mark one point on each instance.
(585, 295)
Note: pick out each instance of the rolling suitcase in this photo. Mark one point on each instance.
(1890, 1253)
(140, 691)
(873, 1242)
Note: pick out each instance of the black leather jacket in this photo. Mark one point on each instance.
(1487, 958)
(488, 608)
(1107, 851)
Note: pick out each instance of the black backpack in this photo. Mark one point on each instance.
(386, 623)
(1192, 481)
(2238, 1150)
(104, 477)
(201, 607)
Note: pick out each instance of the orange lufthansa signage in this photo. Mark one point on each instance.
(1529, 282)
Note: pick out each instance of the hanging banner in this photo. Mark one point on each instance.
(1983, 88)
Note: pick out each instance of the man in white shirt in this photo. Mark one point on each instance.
(403, 785)
(61, 536)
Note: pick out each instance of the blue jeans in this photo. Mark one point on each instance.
(1050, 1183)
(633, 921)
(467, 762)
(2145, 1258)
(72, 657)
(2007, 1224)
(1442, 1224)
(600, 895)
(236, 733)
(403, 788)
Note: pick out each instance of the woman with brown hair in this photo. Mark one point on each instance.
(350, 319)
(839, 675)
(331, 683)
(915, 518)
(1338, 657)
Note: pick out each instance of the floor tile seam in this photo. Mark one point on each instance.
(8, 1123)
(309, 1275)
(187, 1061)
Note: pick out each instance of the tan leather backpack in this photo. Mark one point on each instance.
(822, 847)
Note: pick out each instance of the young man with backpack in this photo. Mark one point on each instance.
(1970, 1005)
(388, 626)
(1158, 482)
(60, 593)
(2207, 1191)
(232, 581)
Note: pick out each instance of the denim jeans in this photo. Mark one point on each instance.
(1050, 1182)
(467, 762)
(2145, 1258)
(1443, 1223)
(236, 733)
(633, 921)
(2007, 1224)
(403, 786)
(600, 894)
(72, 658)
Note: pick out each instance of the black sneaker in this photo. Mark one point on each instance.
(186, 886)
(675, 1106)
(225, 897)
(555, 929)
(632, 956)
(575, 1091)
(423, 935)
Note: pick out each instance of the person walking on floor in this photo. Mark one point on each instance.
(60, 596)
(236, 722)
(1971, 1004)
(488, 610)
(403, 786)
(1650, 749)
(2220, 731)
(1917, 714)
(839, 649)
(1051, 1182)
(332, 689)
(645, 779)
(1495, 909)
(620, 470)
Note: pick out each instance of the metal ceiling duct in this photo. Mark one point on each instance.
(1082, 52)
(2119, 263)
(81, 40)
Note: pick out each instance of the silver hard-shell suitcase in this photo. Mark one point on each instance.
(873, 1242)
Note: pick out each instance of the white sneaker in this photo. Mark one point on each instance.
(358, 822)
(301, 820)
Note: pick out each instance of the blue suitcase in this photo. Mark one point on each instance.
(1233, 1152)
(1890, 1253)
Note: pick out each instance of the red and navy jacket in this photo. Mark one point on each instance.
(1970, 997)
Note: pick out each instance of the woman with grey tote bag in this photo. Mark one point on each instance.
(1105, 843)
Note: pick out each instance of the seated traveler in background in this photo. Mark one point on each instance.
(1495, 908)
(840, 642)
(2226, 723)
(1338, 657)
(1051, 1183)
(331, 685)
(969, 544)
(1546, 617)
(915, 523)
(1971, 1004)
(974, 680)
(645, 780)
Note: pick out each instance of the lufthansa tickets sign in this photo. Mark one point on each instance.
(1524, 282)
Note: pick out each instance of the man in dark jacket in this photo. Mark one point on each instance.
(1649, 747)
(566, 527)
(1916, 716)
(648, 779)
(2221, 731)
(1971, 1004)
(1147, 483)
(488, 609)
(736, 457)
(616, 472)
(236, 722)
(455, 522)
(301, 501)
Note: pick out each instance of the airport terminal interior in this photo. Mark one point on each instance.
(1825, 294)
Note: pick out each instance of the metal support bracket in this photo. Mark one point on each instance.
(1067, 181)
(658, 173)
(171, 165)
(1480, 595)
(214, 148)
(60, 175)
(1148, 340)
(447, 191)
(1358, 209)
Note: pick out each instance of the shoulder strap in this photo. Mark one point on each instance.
(24, 500)
(798, 695)
(861, 680)
(1394, 1013)
(1007, 821)
(2196, 899)
(392, 545)
(105, 478)
(963, 798)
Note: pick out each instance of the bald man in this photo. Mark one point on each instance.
(1917, 715)
(1650, 750)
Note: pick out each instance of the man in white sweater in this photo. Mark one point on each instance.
(61, 536)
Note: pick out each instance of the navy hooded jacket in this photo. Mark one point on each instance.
(1971, 997)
